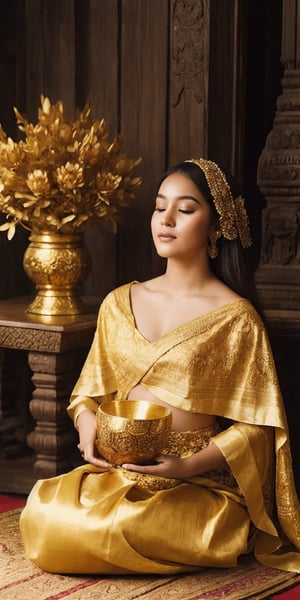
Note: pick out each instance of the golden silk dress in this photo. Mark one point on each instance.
(115, 521)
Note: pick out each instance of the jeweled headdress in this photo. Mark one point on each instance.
(233, 218)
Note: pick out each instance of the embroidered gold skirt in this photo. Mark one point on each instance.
(116, 521)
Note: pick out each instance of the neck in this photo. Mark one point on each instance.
(180, 276)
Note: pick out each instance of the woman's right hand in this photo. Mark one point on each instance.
(86, 423)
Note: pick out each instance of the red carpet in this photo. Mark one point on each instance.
(10, 503)
(293, 594)
(23, 580)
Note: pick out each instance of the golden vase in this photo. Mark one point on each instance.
(57, 264)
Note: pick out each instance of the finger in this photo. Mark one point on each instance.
(98, 462)
(148, 469)
(88, 456)
(130, 467)
(102, 463)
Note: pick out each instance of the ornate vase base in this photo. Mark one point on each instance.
(55, 305)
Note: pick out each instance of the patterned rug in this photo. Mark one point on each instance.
(21, 580)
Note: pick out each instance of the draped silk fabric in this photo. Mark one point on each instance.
(89, 521)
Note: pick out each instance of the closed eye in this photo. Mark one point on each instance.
(181, 210)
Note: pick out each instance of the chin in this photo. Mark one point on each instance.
(164, 253)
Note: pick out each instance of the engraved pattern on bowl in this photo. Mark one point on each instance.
(132, 430)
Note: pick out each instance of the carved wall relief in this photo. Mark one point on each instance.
(279, 165)
(187, 50)
(279, 181)
(280, 245)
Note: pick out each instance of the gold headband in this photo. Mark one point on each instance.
(233, 220)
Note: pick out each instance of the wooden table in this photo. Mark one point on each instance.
(56, 348)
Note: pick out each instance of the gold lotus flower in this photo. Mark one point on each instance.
(38, 182)
(63, 174)
(70, 177)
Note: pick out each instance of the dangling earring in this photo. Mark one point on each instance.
(212, 249)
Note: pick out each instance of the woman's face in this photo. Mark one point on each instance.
(181, 222)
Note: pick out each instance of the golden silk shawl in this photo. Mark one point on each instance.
(220, 363)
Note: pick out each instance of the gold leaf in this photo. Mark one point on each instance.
(5, 226)
(11, 232)
(46, 105)
(22, 196)
(67, 219)
(30, 203)
(10, 227)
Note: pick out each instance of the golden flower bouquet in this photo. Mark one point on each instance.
(64, 174)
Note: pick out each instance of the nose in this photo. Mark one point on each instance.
(167, 218)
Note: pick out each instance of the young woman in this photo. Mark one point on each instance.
(193, 340)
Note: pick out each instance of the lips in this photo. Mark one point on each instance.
(165, 237)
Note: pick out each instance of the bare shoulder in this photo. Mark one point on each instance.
(144, 288)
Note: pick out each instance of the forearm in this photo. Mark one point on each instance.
(208, 459)
(80, 404)
(86, 419)
(184, 468)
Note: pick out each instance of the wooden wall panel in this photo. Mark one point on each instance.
(226, 99)
(143, 100)
(50, 53)
(13, 281)
(97, 58)
(188, 80)
(97, 81)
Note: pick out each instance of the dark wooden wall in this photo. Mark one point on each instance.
(179, 78)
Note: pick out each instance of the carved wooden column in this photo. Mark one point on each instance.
(278, 276)
(53, 378)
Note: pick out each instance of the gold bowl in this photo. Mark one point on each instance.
(132, 431)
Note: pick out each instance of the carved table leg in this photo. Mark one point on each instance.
(54, 436)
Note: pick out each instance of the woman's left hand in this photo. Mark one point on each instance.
(183, 468)
(165, 466)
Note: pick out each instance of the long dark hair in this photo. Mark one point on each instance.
(230, 264)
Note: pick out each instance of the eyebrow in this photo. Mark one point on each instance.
(180, 198)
